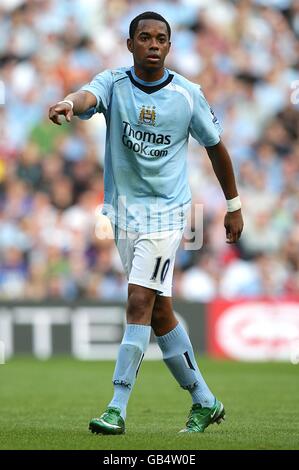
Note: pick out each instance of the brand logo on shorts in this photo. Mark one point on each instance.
(147, 115)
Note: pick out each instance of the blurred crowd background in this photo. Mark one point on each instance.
(245, 55)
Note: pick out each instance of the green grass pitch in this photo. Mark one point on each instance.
(47, 405)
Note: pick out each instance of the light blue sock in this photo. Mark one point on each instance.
(179, 357)
(130, 355)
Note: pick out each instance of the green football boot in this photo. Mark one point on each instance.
(200, 418)
(110, 422)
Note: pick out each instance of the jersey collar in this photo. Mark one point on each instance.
(143, 82)
(150, 87)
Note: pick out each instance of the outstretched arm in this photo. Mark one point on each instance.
(82, 101)
(223, 168)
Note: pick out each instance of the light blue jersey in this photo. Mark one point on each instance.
(148, 126)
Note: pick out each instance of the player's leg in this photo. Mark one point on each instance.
(153, 257)
(134, 343)
(178, 352)
(163, 318)
(179, 357)
(140, 304)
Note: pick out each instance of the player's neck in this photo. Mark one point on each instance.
(149, 75)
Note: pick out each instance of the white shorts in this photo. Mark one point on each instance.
(148, 258)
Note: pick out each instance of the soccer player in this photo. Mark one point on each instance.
(150, 112)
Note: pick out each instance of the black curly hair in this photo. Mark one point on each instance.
(147, 15)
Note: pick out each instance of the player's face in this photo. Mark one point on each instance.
(150, 45)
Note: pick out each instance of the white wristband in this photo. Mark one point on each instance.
(68, 102)
(233, 204)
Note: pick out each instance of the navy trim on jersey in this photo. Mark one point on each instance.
(148, 88)
(119, 79)
(144, 82)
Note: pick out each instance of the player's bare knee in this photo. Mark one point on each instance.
(163, 318)
(159, 315)
(162, 310)
(160, 323)
(140, 306)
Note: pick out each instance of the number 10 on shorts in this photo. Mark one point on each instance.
(163, 271)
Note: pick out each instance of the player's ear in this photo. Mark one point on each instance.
(169, 44)
(130, 45)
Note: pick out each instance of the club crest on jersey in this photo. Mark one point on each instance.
(147, 115)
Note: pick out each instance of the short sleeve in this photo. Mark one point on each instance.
(101, 87)
(204, 126)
